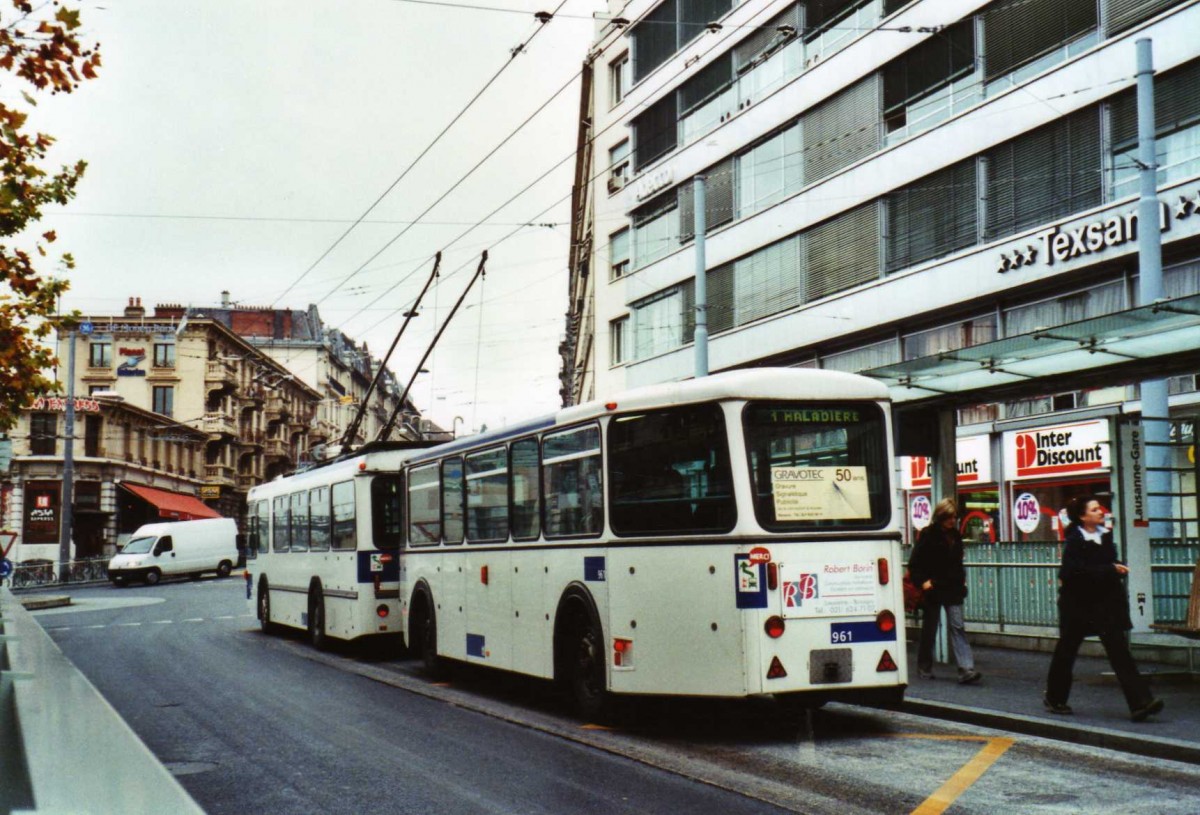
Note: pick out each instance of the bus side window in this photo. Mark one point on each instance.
(571, 479)
(318, 515)
(299, 518)
(387, 517)
(252, 530)
(487, 495)
(424, 506)
(452, 500)
(262, 527)
(526, 518)
(279, 524)
(343, 516)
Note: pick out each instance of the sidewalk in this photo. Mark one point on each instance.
(1009, 697)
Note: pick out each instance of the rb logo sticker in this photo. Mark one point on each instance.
(795, 592)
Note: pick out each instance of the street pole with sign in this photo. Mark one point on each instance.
(68, 475)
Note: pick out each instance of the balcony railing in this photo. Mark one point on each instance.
(219, 474)
(219, 374)
(216, 424)
(276, 447)
(246, 481)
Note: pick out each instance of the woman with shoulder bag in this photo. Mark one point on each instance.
(1092, 601)
(937, 568)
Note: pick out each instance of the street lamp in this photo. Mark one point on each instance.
(454, 426)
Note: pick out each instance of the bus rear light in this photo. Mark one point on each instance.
(382, 611)
(772, 575)
(774, 627)
(886, 621)
(886, 663)
(610, 405)
(483, 575)
(776, 671)
(885, 574)
(622, 653)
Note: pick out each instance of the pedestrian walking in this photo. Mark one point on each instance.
(937, 567)
(1092, 601)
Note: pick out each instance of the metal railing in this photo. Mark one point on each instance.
(1016, 583)
(37, 573)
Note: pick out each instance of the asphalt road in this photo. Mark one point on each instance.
(251, 723)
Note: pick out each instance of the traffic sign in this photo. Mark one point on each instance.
(6, 567)
(86, 328)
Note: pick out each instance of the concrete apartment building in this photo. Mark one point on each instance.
(900, 188)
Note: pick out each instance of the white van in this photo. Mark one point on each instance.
(180, 548)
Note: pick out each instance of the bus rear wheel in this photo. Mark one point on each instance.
(586, 673)
(424, 628)
(316, 619)
(264, 608)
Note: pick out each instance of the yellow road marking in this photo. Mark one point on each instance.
(961, 781)
(596, 727)
(440, 684)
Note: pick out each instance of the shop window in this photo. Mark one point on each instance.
(1042, 512)
(950, 337)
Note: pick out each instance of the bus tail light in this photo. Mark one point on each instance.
(776, 671)
(483, 575)
(886, 621)
(772, 575)
(382, 611)
(885, 574)
(622, 653)
(774, 627)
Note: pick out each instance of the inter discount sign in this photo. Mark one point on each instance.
(1056, 451)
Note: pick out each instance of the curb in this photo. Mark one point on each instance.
(1171, 749)
(45, 601)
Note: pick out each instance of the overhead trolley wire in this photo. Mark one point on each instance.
(515, 51)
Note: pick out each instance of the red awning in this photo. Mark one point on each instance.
(173, 505)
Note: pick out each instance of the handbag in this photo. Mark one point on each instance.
(913, 594)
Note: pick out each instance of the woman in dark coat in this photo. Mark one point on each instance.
(936, 566)
(1092, 601)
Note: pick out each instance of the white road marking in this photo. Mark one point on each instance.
(127, 625)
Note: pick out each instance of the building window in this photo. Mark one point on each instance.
(656, 229)
(1022, 38)
(618, 79)
(618, 337)
(930, 83)
(100, 355)
(932, 217)
(664, 321)
(92, 433)
(1176, 125)
(618, 254)
(43, 432)
(164, 355)
(164, 400)
(770, 171)
(618, 166)
(950, 337)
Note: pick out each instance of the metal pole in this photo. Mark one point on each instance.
(701, 333)
(68, 475)
(1155, 413)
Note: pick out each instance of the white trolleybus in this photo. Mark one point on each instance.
(724, 537)
(323, 548)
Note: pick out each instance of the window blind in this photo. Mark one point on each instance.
(932, 217)
(821, 14)
(1125, 14)
(655, 40)
(843, 252)
(1176, 105)
(769, 280)
(767, 38)
(842, 129)
(695, 15)
(1018, 31)
(706, 83)
(720, 298)
(931, 65)
(1045, 174)
(655, 131)
(718, 200)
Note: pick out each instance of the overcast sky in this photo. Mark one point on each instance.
(231, 142)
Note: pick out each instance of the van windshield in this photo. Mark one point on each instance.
(138, 546)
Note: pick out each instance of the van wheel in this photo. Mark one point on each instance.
(264, 609)
(316, 619)
(152, 577)
(224, 568)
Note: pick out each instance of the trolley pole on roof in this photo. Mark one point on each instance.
(701, 332)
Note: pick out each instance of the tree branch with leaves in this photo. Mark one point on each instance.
(40, 46)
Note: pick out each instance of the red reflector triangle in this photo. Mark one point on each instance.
(776, 670)
(886, 663)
